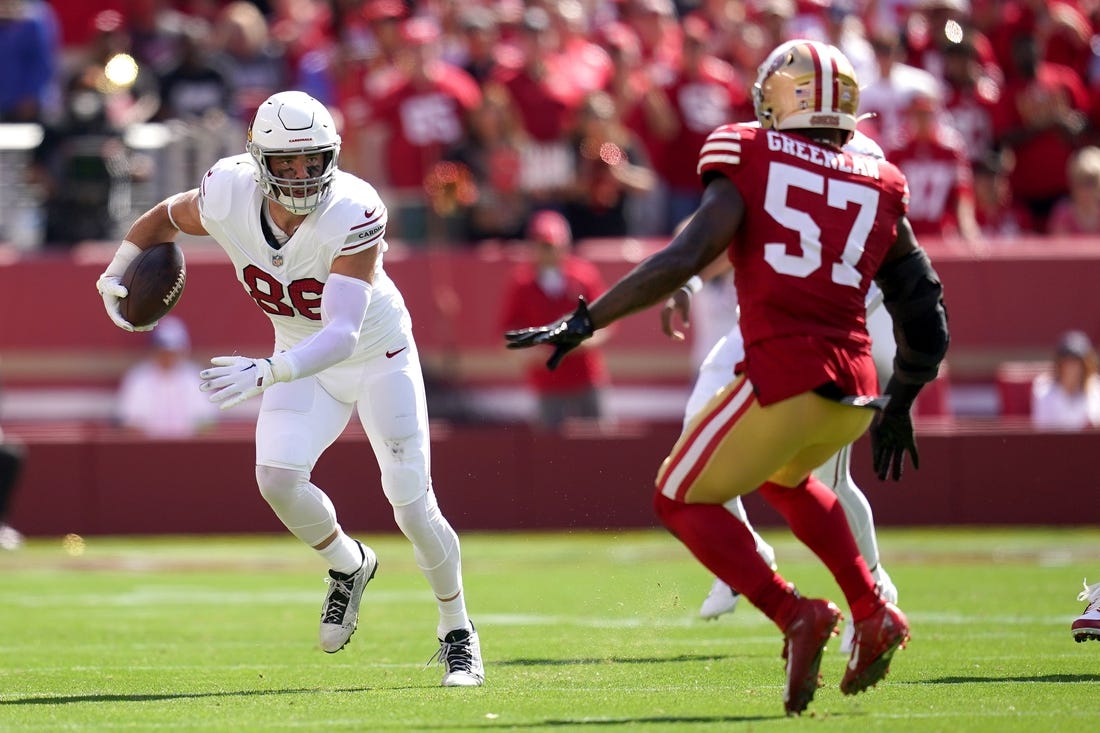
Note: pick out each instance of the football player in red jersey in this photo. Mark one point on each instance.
(807, 227)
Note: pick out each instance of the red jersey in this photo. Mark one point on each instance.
(972, 112)
(1040, 171)
(526, 303)
(547, 105)
(424, 122)
(818, 222)
(701, 101)
(939, 176)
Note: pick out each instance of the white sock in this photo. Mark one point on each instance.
(437, 553)
(343, 554)
(452, 616)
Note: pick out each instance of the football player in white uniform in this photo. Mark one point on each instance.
(728, 351)
(306, 241)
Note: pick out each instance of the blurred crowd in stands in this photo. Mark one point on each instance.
(468, 115)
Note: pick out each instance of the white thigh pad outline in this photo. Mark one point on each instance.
(393, 411)
(298, 420)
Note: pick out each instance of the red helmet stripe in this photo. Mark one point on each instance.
(836, 82)
(817, 76)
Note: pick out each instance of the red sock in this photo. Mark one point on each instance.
(817, 519)
(726, 547)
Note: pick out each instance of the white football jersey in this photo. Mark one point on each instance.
(286, 282)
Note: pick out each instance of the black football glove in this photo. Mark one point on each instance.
(891, 438)
(565, 335)
(892, 432)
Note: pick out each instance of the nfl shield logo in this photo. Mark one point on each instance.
(277, 259)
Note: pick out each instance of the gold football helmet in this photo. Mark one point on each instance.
(806, 84)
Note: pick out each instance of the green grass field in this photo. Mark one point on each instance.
(593, 631)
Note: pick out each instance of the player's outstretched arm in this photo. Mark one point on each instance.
(707, 234)
(159, 224)
(913, 295)
(705, 237)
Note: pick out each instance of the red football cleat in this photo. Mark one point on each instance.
(815, 622)
(877, 638)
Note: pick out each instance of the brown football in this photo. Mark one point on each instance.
(155, 281)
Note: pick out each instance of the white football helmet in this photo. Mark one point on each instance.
(294, 123)
(806, 84)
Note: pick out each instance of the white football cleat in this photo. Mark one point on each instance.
(340, 611)
(10, 537)
(1087, 625)
(886, 586)
(721, 599)
(460, 654)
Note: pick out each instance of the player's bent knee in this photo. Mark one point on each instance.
(279, 486)
(404, 469)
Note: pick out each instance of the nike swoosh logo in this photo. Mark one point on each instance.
(391, 354)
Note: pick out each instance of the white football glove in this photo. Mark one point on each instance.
(111, 288)
(234, 379)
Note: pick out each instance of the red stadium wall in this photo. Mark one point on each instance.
(1008, 303)
(96, 481)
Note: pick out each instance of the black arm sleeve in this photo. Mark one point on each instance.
(913, 295)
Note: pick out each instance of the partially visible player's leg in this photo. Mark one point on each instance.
(393, 410)
(1087, 625)
(837, 475)
(716, 372)
(736, 445)
(12, 457)
(297, 421)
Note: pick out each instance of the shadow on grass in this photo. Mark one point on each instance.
(651, 720)
(984, 679)
(527, 662)
(152, 697)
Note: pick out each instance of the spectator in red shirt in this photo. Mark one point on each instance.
(646, 111)
(492, 154)
(544, 288)
(363, 65)
(997, 215)
(588, 64)
(932, 157)
(611, 172)
(655, 23)
(1042, 118)
(539, 81)
(1079, 213)
(936, 26)
(706, 92)
(422, 116)
(885, 97)
(971, 96)
(547, 100)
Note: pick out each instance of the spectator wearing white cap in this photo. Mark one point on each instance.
(160, 396)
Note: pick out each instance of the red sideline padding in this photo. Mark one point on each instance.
(93, 481)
